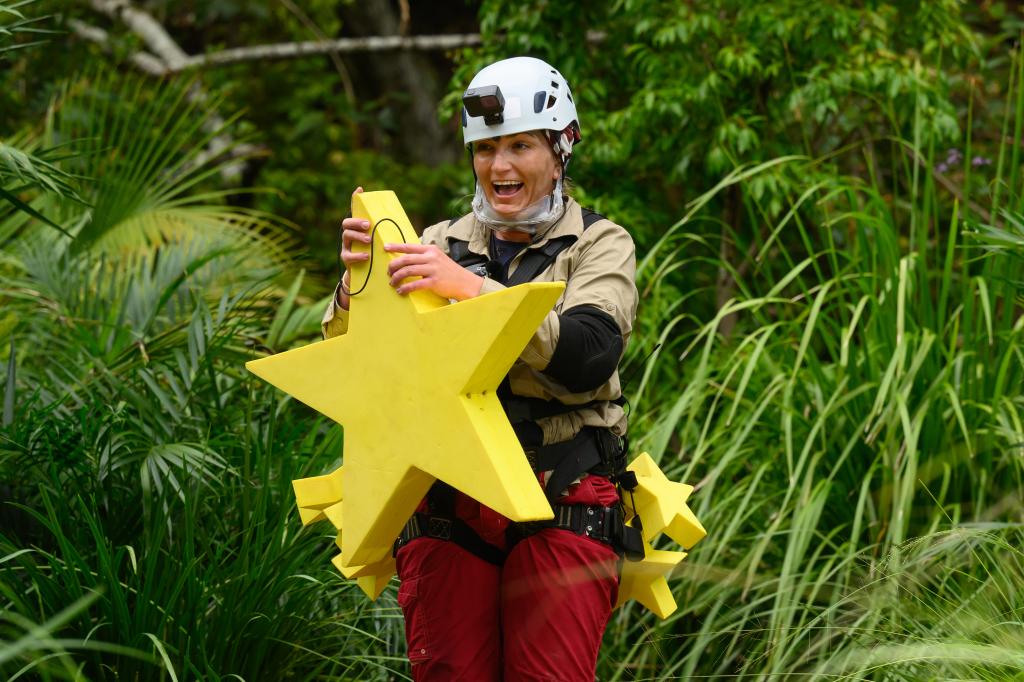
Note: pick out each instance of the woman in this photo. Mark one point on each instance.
(484, 598)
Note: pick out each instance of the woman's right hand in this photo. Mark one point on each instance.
(353, 230)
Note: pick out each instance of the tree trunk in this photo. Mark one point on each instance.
(407, 83)
(725, 284)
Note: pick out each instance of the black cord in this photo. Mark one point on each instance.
(369, 270)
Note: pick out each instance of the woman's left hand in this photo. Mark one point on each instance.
(437, 272)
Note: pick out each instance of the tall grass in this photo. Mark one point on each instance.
(858, 443)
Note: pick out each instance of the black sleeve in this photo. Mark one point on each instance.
(588, 349)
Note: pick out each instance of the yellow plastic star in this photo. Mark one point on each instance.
(661, 504)
(372, 578)
(646, 581)
(413, 381)
(319, 498)
(315, 494)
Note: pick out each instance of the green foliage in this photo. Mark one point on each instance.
(680, 93)
(828, 201)
(14, 23)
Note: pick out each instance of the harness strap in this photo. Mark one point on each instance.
(536, 261)
(590, 217)
(604, 524)
(452, 529)
(592, 450)
(533, 261)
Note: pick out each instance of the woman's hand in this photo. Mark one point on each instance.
(436, 270)
(353, 230)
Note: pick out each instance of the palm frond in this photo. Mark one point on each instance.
(147, 146)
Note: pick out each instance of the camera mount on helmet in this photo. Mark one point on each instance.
(486, 101)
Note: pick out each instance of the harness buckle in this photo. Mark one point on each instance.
(439, 527)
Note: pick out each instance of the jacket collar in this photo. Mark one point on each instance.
(469, 229)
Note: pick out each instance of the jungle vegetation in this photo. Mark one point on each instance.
(828, 201)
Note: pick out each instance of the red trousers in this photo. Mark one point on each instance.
(540, 616)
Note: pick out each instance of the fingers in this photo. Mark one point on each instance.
(418, 270)
(415, 254)
(411, 248)
(416, 285)
(354, 230)
(348, 237)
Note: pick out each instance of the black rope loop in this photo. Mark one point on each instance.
(369, 270)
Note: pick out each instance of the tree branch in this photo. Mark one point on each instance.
(170, 57)
(338, 45)
(146, 27)
(144, 61)
(176, 60)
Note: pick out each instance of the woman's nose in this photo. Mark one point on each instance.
(501, 161)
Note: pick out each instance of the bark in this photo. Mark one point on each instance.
(725, 283)
(407, 82)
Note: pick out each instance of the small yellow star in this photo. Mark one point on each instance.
(315, 494)
(413, 381)
(646, 581)
(661, 504)
(319, 498)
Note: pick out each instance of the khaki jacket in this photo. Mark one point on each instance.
(599, 269)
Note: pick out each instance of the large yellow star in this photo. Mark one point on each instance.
(646, 581)
(661, 504)
(413, 381)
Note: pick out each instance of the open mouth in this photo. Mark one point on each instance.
(506, 188)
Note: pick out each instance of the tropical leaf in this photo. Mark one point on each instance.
(13, 22)
(148, 148)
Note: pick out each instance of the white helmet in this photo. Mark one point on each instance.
(518, 95)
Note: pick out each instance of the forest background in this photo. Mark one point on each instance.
(827, 201)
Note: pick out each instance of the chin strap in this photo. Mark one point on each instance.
(485, 213)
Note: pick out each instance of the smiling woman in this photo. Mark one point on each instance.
(517, 174)
(485, 598)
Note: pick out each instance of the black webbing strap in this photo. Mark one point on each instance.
(452, 529)
(536, 261)
(589, 217)
(442, 524)
(533, 261)
(592, 450)
(604, 524)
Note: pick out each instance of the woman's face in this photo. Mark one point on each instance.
(515, 171)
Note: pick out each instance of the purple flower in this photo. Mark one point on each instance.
(978, 161)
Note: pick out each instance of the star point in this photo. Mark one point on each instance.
(661, 504)
(646, 581)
